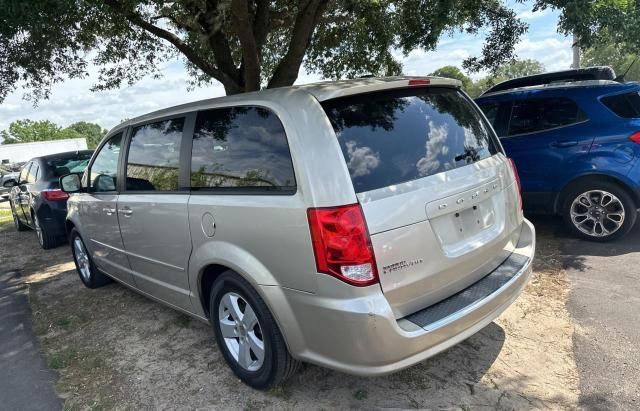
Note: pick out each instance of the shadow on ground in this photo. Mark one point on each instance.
(115, 348)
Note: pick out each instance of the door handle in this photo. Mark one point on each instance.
(564, 143)
(109, 211)
(126, 211)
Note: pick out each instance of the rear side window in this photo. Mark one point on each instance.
(33, 173)
(396, 136)
(241, 148)
(23, 173)
(62, 166)
(154, 156)
(535, 115)
(625, 105)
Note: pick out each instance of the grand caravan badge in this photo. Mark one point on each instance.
(400, 265)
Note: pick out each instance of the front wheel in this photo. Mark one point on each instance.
(247, 334)
(16, 221)
(91, 277)
(599, 211)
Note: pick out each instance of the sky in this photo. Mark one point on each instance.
(72, 101)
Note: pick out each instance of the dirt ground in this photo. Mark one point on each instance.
(116, 349)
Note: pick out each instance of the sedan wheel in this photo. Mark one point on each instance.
(241, 331)
(36, 223)
(597, 213)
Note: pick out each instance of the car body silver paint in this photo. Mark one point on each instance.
(265, 239)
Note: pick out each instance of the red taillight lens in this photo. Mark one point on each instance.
(54, 195)
(342, 245)
(635, 137)
(517, 177)
(419, 82)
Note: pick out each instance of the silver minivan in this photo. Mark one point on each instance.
(361, 225)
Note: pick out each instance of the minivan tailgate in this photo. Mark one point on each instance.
(459, 238)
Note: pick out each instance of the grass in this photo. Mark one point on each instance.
(5, 216)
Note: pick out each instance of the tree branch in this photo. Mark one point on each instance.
(250, 52)
(308, 15)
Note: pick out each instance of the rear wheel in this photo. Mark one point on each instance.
(247, 334)
(45, 238)
(91, 277)
(599, 211)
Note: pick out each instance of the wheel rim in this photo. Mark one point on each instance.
(36, 223)
(241, 331)
(82, 258)
(597, 213)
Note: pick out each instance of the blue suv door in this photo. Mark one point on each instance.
(545, 136)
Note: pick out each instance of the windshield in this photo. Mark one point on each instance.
(391, 137)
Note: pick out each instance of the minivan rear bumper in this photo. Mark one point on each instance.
(359, 335)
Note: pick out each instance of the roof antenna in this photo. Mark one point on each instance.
(620, 78)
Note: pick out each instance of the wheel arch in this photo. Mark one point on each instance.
(562, 194)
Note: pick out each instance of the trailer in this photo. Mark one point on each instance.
(21, 152)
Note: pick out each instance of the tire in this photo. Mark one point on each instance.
(597, 222)
(16, 221)
(277, 365)
(90, 276)
(45, 238)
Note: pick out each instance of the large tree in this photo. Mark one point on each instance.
(26, 131)
(250, 44)
(244, 44)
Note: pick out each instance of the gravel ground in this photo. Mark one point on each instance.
(115, 349)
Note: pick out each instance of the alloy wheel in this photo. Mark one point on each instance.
(36, 223)
(82, 259)
(241, 331)
(597, 213)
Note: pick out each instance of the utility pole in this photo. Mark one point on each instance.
(576, 53)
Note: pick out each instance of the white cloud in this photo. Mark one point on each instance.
(530, 15)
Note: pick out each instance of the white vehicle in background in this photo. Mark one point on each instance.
(12, 154)
(6, 174)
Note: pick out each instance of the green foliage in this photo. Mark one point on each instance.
(598, 22)
(27, 131)
(91, 131)
(454, 73)
(614, 56)
(244, 44)
(513, 69)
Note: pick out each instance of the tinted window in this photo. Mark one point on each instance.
(396, 136)
(104, 169)
(154, 156)
(529, 116)
(24, 172)
(62, 166)
(241, 147)
(624, 105)
(34, 173)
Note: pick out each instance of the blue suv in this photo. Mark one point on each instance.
(576, 145)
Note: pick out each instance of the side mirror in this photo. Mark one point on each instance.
(70, 183)
(10, 183)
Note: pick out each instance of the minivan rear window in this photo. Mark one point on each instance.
(396, 136)
(625, 105)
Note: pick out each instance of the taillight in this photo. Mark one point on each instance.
(635, 137)
(419, 82)
(342, 245)
(517, 177)
(54, 195)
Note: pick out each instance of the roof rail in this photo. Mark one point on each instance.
(564, 76)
